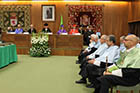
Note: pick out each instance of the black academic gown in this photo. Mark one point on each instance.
(48, 30)
(86, 36)
(130, 77)
(34, 30)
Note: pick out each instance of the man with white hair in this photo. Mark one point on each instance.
(97, 66)
(122, 47)
(125, 72)
(138, 44)
(94, 44)
(101, 48)
(88, 32)
(100, 51)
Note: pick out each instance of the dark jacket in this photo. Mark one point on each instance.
(34, 30)
(48, 30)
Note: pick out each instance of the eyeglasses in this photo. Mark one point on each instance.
(127, 40)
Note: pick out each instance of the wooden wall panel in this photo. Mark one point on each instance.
(115, 19)
(134, 11)
(115, 15)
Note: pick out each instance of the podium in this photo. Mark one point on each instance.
(65, 45)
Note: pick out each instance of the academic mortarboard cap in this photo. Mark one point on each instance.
(45, 24)
(74, 25)
(62, 25)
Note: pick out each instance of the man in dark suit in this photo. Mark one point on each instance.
(87, 34)
(32, 29)
(46, 29)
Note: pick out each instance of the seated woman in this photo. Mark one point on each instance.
(62, 30)
(19, 30)
(74, 30)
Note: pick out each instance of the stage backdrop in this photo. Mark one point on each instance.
(11, 15)
(84, 15)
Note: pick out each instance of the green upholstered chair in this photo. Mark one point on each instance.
(124, 88)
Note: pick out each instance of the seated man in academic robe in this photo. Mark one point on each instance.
(101, 48)
(93, 46)
(73, 31)
(122, 47)
(32, 29)
(62, 30)
(100, 61)
(125, 72)
(19, 30)
(46, 29)
(10, 29)
(89, 31)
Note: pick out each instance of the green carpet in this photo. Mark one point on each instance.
(54, 74)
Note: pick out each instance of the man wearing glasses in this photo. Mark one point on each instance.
(125, 72)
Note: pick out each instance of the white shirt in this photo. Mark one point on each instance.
(118, 72)
(112, 53)
(99, 51)
(122, 47)
(93, 44)
(138, 45)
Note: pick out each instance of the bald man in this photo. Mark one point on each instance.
(125, 72)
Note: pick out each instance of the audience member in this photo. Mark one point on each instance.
(122, 47)
(87, 34)
(94, 44)
(98, 33)
(99, 52)
(90, 67)
(101, 48)
(138, 44)
(125, 72)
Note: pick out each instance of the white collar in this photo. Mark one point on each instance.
(128, 50)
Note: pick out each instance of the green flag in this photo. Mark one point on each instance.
(61, 21)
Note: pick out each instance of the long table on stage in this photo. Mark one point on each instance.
(22, 41)
(68, 45)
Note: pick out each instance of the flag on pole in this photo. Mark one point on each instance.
(61, 21)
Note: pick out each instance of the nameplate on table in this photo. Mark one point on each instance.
(11, 33)
(26, 33)
(64, 34)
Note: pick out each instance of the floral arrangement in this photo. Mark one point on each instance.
(40, 46)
